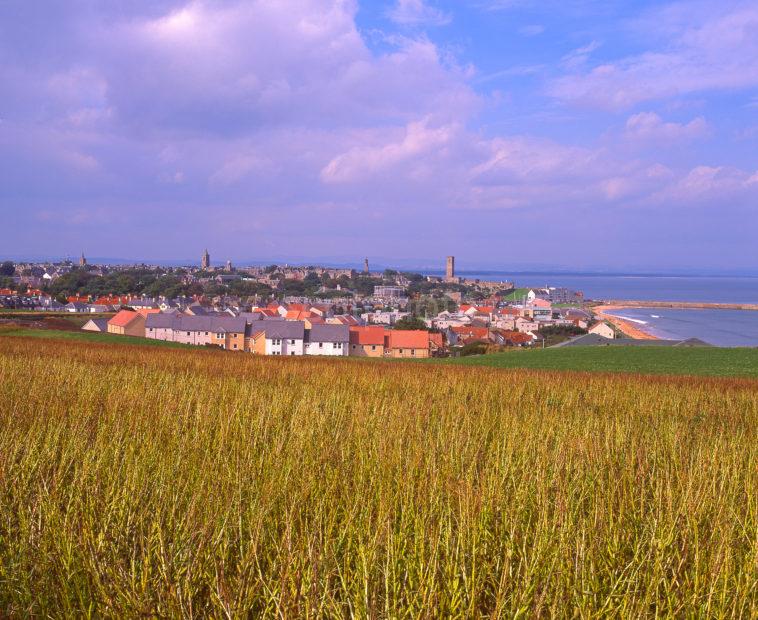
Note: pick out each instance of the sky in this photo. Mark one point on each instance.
(581, 134)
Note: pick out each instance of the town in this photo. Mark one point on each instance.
(295, 310)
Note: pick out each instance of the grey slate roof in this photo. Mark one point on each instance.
(328, 333)
(184, 323)
(159, 320)
(285, 330)
(101, 324)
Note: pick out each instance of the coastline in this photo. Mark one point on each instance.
(638, 332)
(629, 329)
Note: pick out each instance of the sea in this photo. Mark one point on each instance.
(727, 328)
(723, 328)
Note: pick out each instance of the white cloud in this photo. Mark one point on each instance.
(361, 162)
(578, 57)
(415, 12)
(707, 49)
(649, 127)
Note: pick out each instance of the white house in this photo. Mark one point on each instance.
(326, 339)
(284, 337)
(602, 329)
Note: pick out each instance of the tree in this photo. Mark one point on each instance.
(410, 322)
(7, 268)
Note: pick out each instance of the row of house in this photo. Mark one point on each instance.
(265, 335)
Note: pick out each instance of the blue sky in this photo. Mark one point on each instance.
(511, 133)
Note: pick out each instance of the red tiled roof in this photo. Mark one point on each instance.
(367, 335)
(267, 311)
(515, 337)
(146, 311)
(297, 315)
(467, 330)
(123, 318)
(408, 339)
(436, 339)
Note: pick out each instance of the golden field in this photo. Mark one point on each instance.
(152, 482)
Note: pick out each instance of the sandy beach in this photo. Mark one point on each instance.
(628, 328)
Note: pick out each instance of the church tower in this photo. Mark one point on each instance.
(450, 269)
(205, 263)
(82, 260)
(365, 266)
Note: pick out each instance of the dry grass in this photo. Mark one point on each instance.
(154, 482)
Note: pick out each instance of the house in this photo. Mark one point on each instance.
(344, 319)
(436, 343)
(197, 310)
(525, 325)
(539, 312)
(160, 326)
(327, 340)
(313, 320)
(367, 341)
(602, 329)
(465, 334)
(509, 338)
(413, 343)
(127, 323)
(143, 304)
(228, 332)
(96, 325)
(383, 318)
(281, 337)
(76, 306)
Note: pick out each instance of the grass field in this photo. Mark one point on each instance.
(82, 336)
(734, 362)
(152, 482)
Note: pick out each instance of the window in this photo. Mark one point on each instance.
(219, 335)
(401, 351)
(373, 347)
(234, 346)
(292, 353)
(320, 345)
(151, 329)
(188, 333)
(292, 342)
(413, 351)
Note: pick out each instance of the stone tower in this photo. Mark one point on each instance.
(365, 266)
(205, 263)
(450, 269)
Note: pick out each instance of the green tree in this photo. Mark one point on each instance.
(7, 268)
(410, 322)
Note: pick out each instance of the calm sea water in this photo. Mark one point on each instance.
(653, 288)
(724, 328)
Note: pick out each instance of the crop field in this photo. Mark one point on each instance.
(154, 482)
